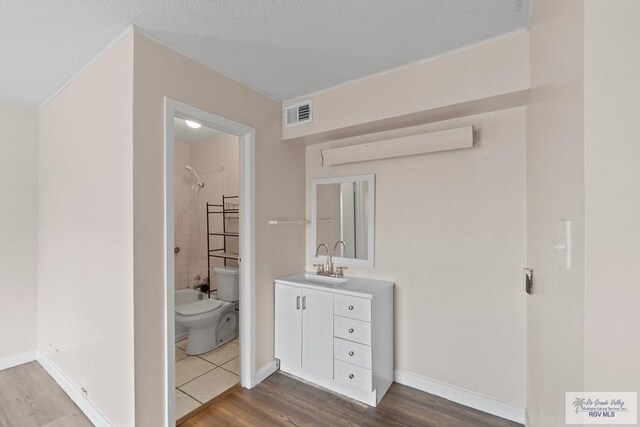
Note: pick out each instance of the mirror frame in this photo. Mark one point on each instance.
(370, 179)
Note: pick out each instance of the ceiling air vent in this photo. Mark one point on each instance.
(298, 114)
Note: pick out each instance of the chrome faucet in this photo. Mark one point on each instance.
(320, 268)
(327, 269)
(339, 271)
(340, 242)
(320, 246)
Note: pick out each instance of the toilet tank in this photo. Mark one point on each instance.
(228, 283)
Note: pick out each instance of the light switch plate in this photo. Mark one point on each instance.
(564, 243)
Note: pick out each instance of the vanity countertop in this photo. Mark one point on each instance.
(355, 286)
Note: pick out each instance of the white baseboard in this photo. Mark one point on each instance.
(462, 396)
(74, 394)
(267, 370)
(17, 359)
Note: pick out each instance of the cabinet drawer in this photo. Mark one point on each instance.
(354, 353)
(352, 307)
(352, 375)
(352, 330)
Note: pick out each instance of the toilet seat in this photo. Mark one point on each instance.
(199, 307)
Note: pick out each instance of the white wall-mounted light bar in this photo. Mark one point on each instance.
(411, 145)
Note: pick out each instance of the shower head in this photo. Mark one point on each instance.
(199, 182)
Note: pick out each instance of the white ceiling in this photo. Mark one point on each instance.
(282, 48)
(184, 133)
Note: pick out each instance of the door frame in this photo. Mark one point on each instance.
(246, 156)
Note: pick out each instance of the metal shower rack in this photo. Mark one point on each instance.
(226, 209)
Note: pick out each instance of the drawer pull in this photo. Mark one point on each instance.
(352, 330)
(354, 376)
(352, 307)
(351, 353)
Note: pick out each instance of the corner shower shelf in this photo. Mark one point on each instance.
(227, 207)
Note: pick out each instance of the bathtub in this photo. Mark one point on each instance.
(185, 296)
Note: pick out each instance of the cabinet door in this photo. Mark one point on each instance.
(289, 325)
(317, 332)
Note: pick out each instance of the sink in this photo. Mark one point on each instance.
(325, 280)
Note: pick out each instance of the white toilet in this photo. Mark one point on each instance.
(212, 322)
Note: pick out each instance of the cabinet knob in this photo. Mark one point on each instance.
(350, 307)
(350, 330)
(351, 376)
(351, 353)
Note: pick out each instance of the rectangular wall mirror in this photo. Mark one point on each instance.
(343, 209)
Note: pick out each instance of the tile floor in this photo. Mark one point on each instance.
(203, 377)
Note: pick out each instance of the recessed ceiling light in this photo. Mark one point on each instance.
(192, 124)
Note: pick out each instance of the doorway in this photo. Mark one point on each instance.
(224, 233)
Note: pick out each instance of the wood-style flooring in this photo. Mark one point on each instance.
(283, 401)
(29, 397)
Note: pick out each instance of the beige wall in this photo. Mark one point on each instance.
(612, 152)
(484, 71)
(85, 285)
(219, 152)
(18, 229)
(450, 232)
(279, 186)
(555, 191)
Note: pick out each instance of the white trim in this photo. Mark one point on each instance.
(17, 359)
(246, 135)
(169, 279)
(407, 65)
(464, 397)
(89, 63)
(98, 419)
(370, 261)
(247, 260)
(267, 370)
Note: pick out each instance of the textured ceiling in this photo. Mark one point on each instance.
(282, 48)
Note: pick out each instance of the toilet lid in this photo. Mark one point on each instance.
(198, 307)
(228, 271)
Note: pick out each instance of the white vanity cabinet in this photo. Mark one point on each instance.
(337, 336)
(304, 320)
